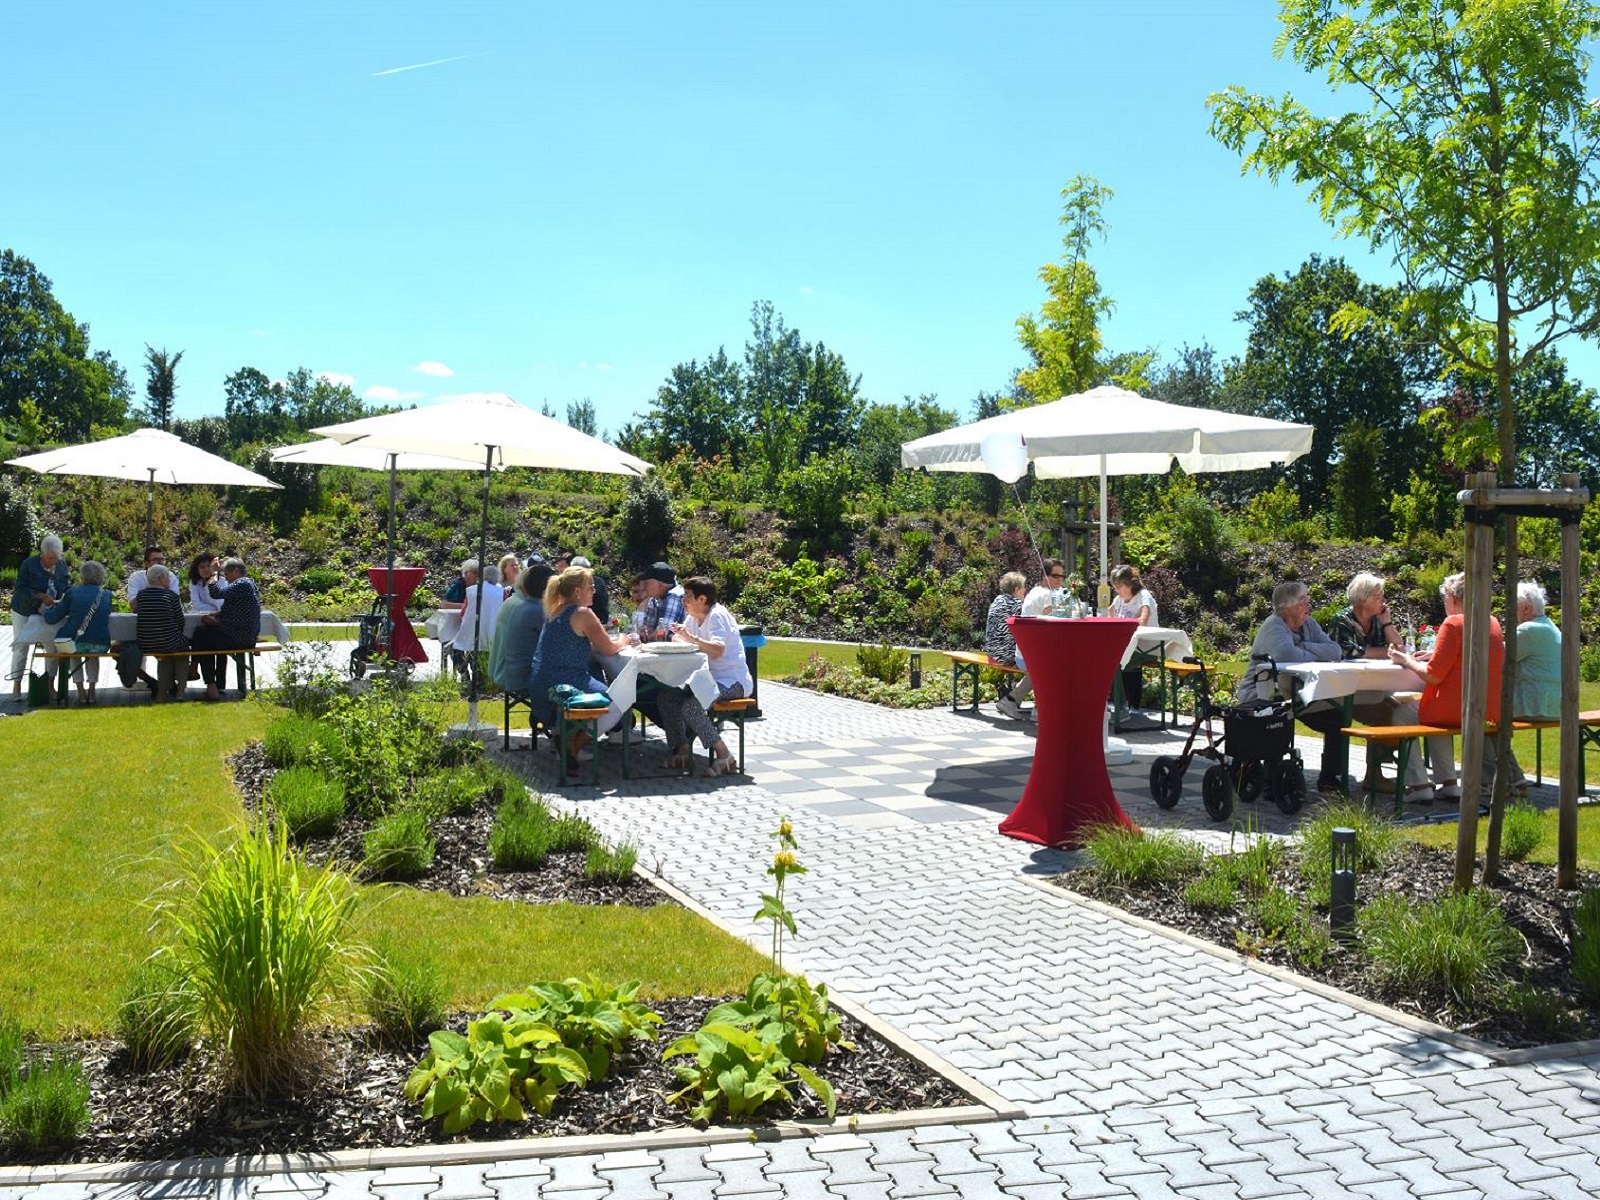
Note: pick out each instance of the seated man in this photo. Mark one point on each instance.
(139, 580)
(236, 626)
(455, 596)
(663, 606)
(1291, 635)
(474, 630)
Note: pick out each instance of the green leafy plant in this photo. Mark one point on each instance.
(488, 1075)
(263, 939)
(307, 801)
(1522, 832)
(446, 793)
(295, 739)
(1134, 858)
(11, 1043)
(158, 1016)
(596, 1019)
(737, 1073)
(398, 846)
(519, 840)
(1547, 1015)
(1376, 840)
(606, 864)
(1586, 943)
(789, 1011)
(773, 908)
(1214, 891)
(1458, 944)
(47, 1106)
(884, 663)
(570, 832)
(404, 996)
(392, 736)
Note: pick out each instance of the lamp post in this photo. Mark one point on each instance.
(1342, 894)
(916, 669)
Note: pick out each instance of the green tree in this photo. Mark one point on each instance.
(254, 407)
(1360, 509)
(1063, 340)
(161, 386)
(1294, 369)
(1558, 423)
(45, 359)
(883, 427)
(1473, 162)
(313, 401)
(699, 408)
(580, 415)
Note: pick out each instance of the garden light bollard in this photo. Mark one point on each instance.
(916, 670)
(1342, 896)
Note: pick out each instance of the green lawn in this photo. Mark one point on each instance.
(1444, 836)
(92, 801)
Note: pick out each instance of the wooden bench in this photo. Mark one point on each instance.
(244, 662)
(736, 710)
(568, 719)
(1174, 675)
(967, 665)
(1588, 735)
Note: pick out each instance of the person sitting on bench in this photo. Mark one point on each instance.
(235, 627)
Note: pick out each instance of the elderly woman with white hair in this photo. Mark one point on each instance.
(84, 615)
(42, 579)
(1536, 695)
(1366, 628)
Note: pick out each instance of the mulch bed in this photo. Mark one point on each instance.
(357, 1101)
(1528, 896)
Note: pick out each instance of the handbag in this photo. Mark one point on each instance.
(38, 689)
(564, 695)
(70, 645)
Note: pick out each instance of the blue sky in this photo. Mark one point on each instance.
(588, 195)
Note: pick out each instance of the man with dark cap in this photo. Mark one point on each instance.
(663, 606)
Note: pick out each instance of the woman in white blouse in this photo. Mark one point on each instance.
(203, 573)
(1132, 599)
(711, 629)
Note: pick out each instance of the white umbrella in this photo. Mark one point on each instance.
(151, 456)
(496, 431)
(329, 452)
(1109, 431)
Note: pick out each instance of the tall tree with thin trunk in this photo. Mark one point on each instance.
(161, 387)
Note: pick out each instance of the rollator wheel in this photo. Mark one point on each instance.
(1288, 786)
(1166, 781)
(358, 664)
(1216, 791)
(1251, 780)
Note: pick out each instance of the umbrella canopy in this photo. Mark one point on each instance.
(498, 432)
(150, 456)
(1109, 431)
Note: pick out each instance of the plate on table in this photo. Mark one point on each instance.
(669, 648)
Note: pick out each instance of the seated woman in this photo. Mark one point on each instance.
(1537, 692)
(84, 615)
(510, 568)
(999, 645)
(1365, 628)
(1443, 680)
(571, 631)
(160, 631)
(711, 629)
(517, 628)
(1291, 635)
(203, 572)
(1132, 599)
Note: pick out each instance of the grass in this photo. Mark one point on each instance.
(1444, 836)
(88, 838)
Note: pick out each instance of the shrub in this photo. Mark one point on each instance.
(317, 580)
(404, 997)
(445, 793)
(598, 1020)
(1134, 858)
(883, 663)
(157, 1018)
(1376, 839)
(1458, 944)
(261, 938)
(836, 679)
(607, 865)
(48, 1106)
(392, 735)
(398, 846)
(570, 832)
(645, 522)
(1522, 832)
(1214, 891)
(520, 837)
(307, 800)
(500, 784)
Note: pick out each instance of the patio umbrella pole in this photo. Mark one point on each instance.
(477, 617)
(388, 582)
(1105, 573)
(150, 511)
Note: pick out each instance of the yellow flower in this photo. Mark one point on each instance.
(783, 858)
(784, 828)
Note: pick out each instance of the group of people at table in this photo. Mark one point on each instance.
(547, 623)
(1364, 629)
(219, 590)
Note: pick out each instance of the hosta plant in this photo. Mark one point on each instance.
(595, 1019)
(788, 1012)
(491, 1073)
(738, 1073)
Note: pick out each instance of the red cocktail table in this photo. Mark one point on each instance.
(1070, 663)
(403, 643)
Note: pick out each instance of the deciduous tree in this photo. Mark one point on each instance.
(161, 385)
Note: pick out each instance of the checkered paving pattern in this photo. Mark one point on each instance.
(1145, 1066)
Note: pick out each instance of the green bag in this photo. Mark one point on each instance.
(39, 689)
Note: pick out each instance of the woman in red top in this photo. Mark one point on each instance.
(1443, 679)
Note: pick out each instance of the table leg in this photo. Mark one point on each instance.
(1349, 719)
(1119, 701)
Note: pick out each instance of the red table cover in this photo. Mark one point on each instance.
(403, 643)
(1071, 663)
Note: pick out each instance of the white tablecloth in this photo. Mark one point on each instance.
(443, 625)
(125, 626)
(690, 671)
(1336, 680)
(1154, 639)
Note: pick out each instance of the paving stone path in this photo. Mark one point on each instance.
(1145, 1067)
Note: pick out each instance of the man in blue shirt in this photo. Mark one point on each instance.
(663, 606)
(41, 581)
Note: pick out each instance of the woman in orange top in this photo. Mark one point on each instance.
(1443, 680)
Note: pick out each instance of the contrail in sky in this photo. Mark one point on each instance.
(438, 62)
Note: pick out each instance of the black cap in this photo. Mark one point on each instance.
(660, 571)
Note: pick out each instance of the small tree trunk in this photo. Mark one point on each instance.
(1502, 741)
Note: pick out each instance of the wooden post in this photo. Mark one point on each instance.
(1571, 748)
(1507, 690)
(1475, 679)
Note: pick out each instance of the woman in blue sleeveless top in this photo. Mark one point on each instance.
(571, 633)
